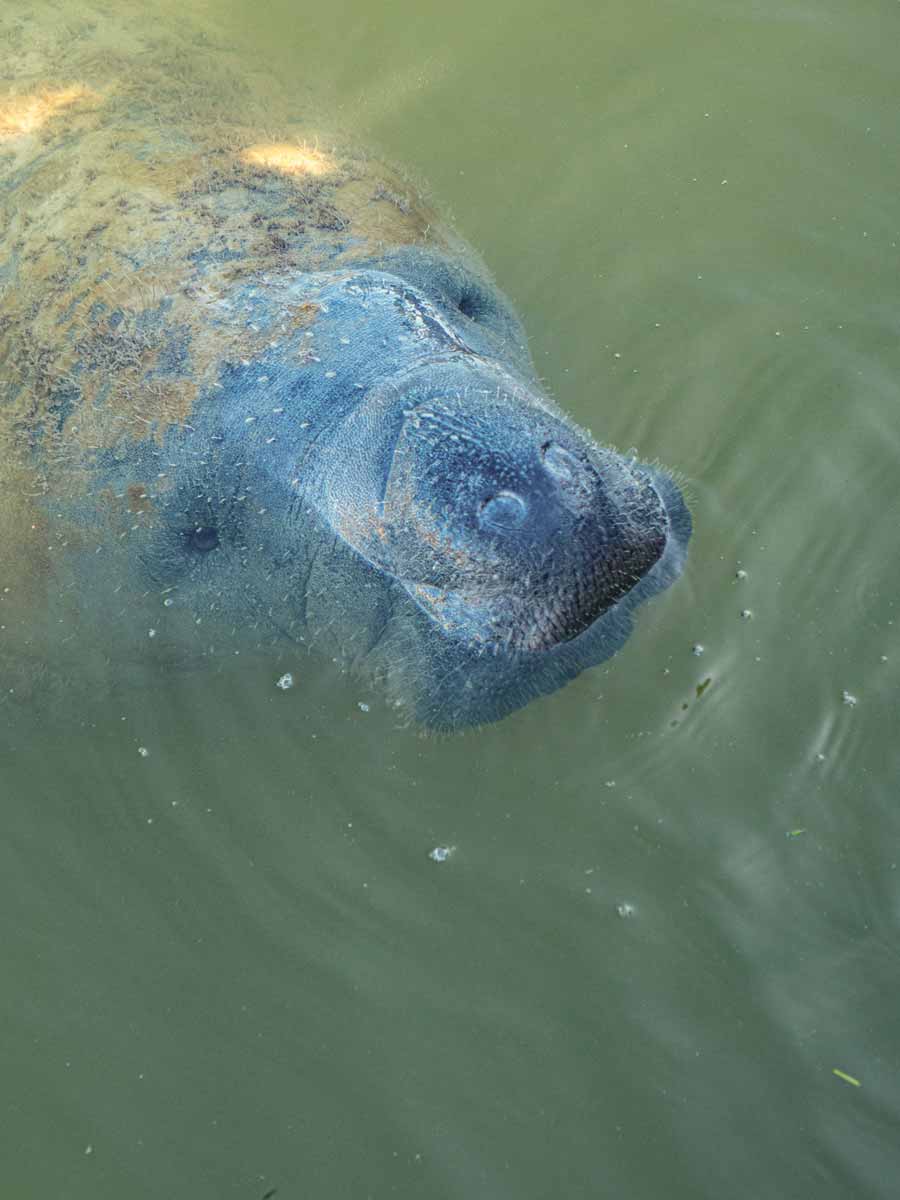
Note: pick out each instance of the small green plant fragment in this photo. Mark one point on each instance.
(701, 687)
(847, 1078)
(794, 832)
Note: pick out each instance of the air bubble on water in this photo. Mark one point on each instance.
(441, 853)
(362, 706)
(848, 698)
(143, 751)
(625, 909)
(746, 614)
(697, 649)
(740, 573)
(168, 602)
(286, 681)
(151, 633)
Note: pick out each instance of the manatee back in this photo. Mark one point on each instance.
(147, 169)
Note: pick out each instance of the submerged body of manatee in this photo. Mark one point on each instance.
(255, 391)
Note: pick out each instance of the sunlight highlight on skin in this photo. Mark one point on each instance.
(21, 115)
(288, 159)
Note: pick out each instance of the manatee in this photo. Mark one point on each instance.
(255, 393)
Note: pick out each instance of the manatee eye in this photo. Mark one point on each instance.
(202, 539)
(475, 301)
(560, 463)
(469, 304)
(506, 510)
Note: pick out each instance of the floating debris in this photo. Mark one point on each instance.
(848, 699)
(625, 909)
(286, 681)
(846, 1078)
(143, 751)
(746, 614)
(441, 853)
(697, 649)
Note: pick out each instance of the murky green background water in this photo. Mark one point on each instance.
(231, 967)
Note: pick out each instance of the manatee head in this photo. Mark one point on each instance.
(516, 545)
(384, 477)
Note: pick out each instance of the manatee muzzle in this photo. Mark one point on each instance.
(510, 529)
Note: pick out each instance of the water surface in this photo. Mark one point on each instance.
(671, 911)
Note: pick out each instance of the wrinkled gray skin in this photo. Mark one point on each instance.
(373, 470)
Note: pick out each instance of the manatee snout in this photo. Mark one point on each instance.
(506, 525)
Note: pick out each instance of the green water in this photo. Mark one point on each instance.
(671, 910)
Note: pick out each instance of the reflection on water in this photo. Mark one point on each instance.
(671, 912)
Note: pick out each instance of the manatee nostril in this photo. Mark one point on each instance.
(506, 510)
(202, 538)
(562, 465)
